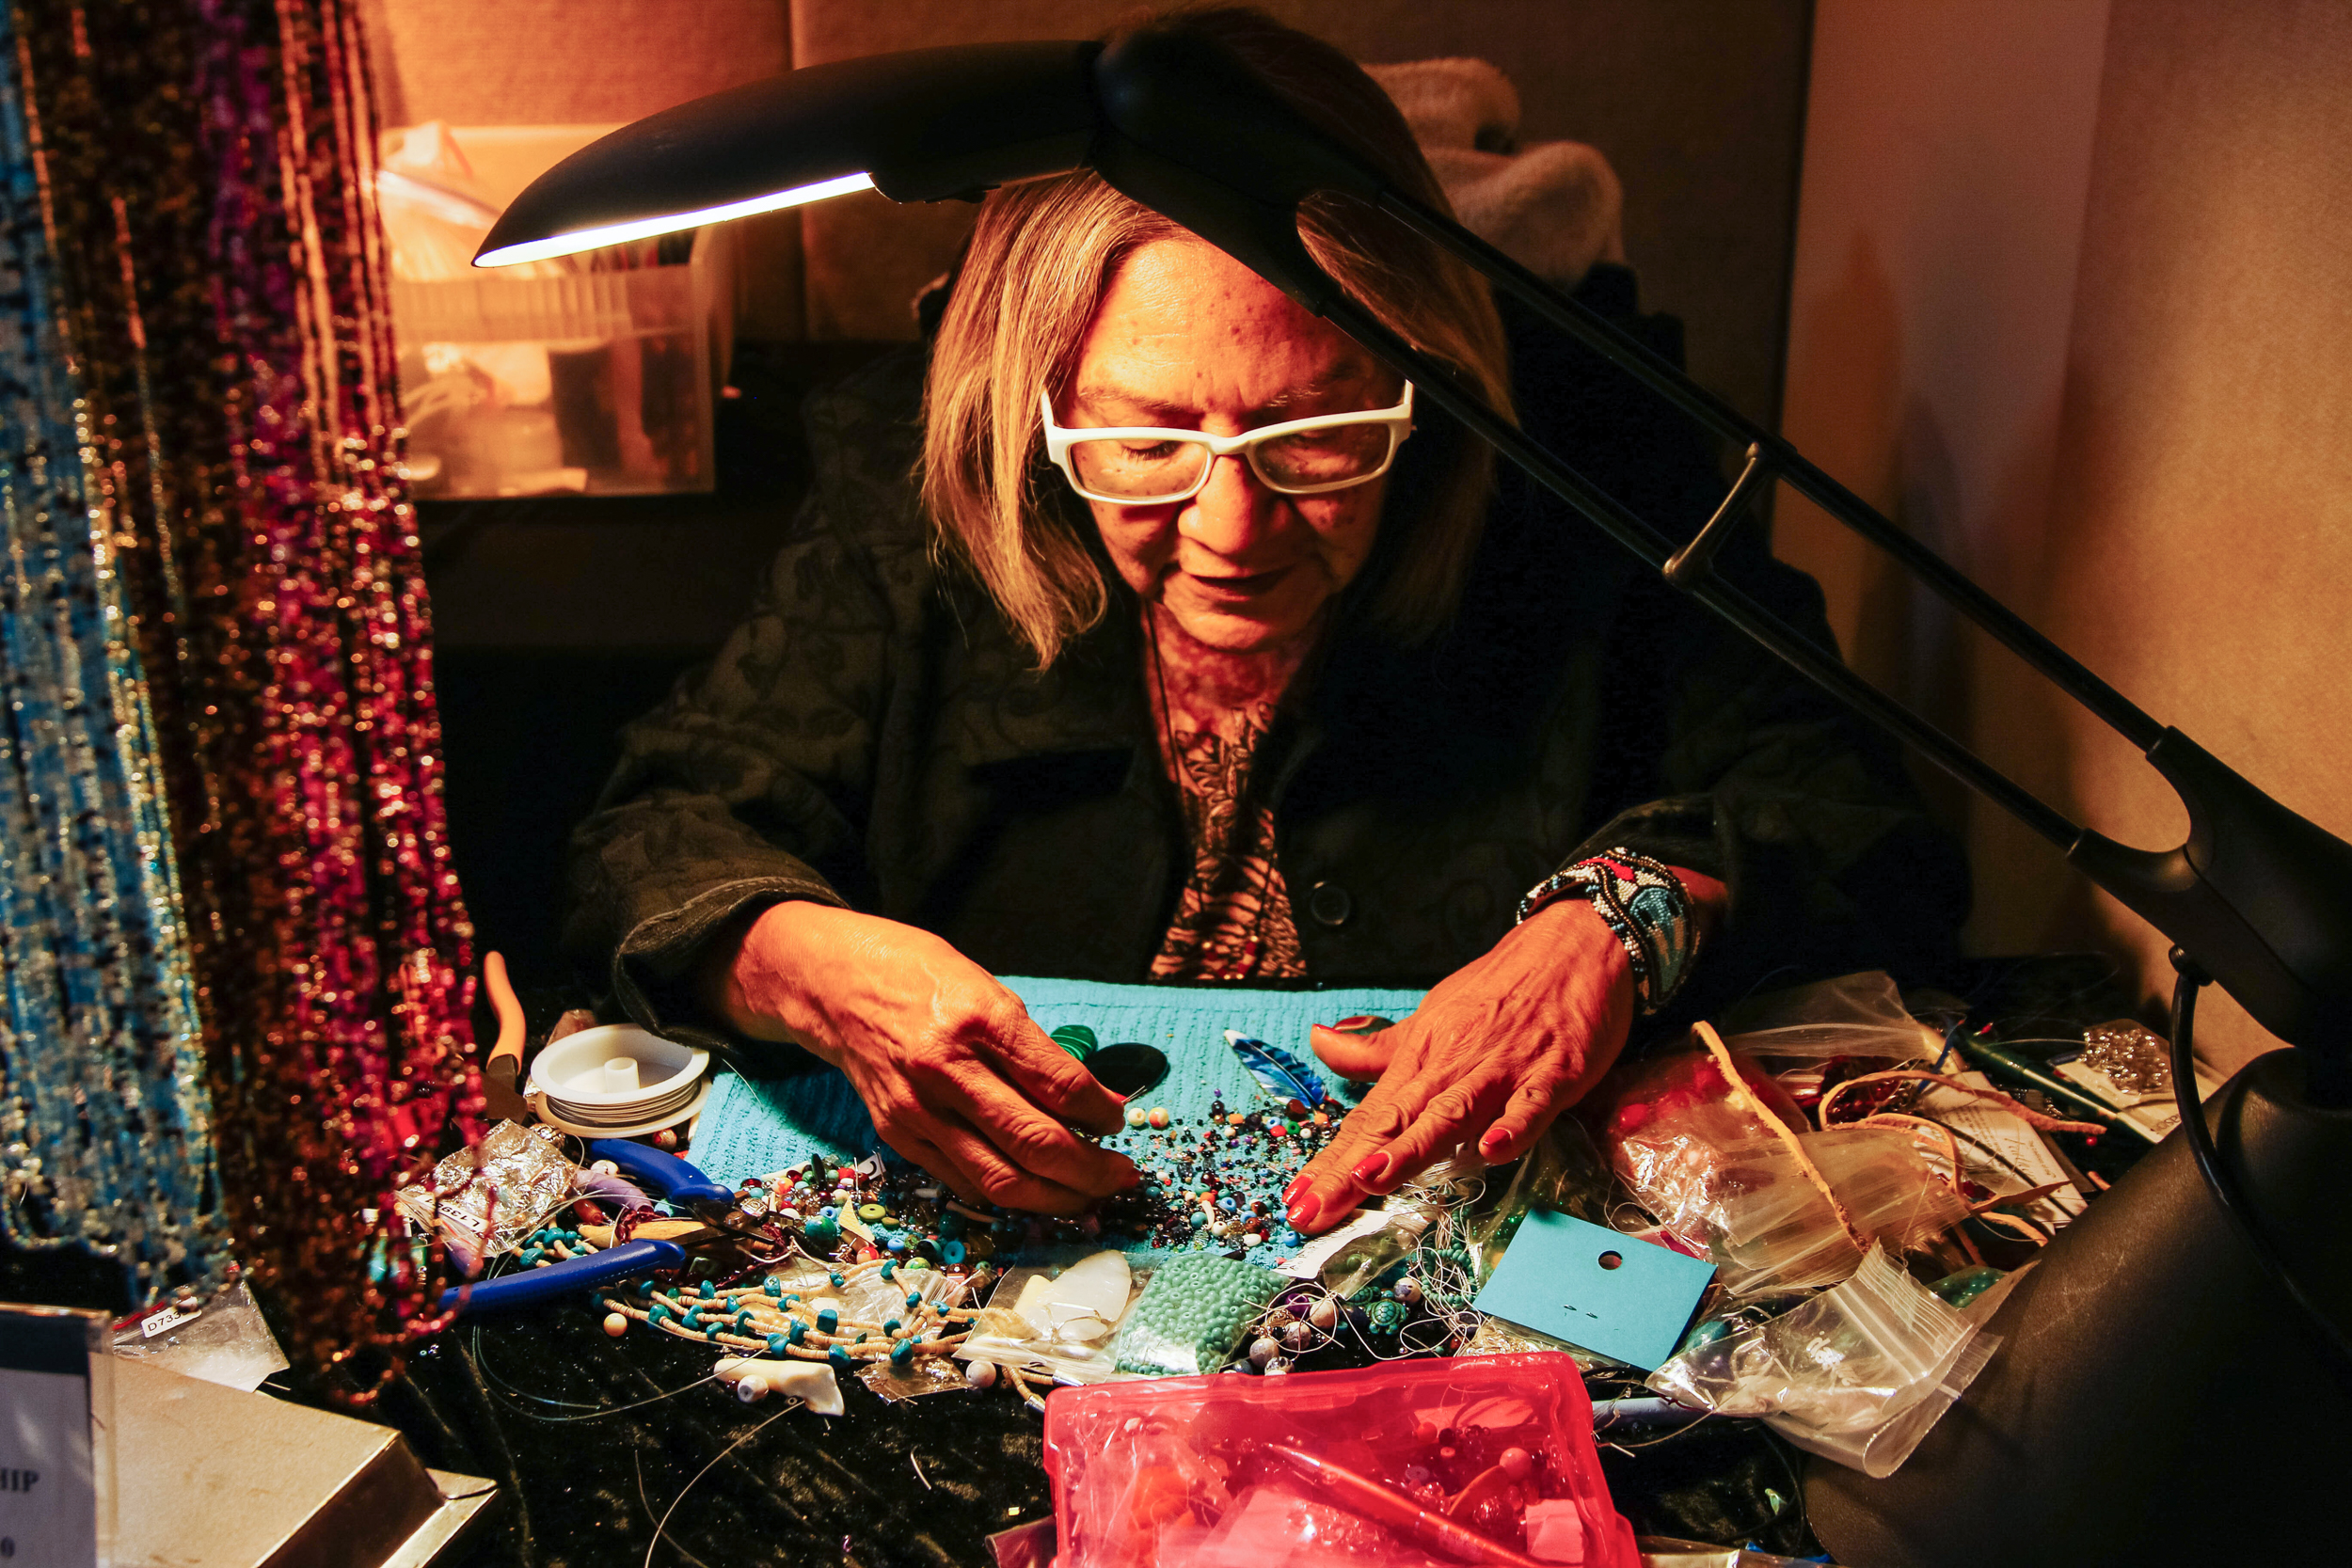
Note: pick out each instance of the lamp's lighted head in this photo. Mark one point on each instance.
(1176, 122)
(919, 126)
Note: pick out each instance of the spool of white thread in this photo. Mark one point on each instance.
(617, 1081)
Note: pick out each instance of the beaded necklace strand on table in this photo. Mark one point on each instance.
(767, 1319)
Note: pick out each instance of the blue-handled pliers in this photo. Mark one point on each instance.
(671, 1178)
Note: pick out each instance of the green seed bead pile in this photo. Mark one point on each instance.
(1192, 1315)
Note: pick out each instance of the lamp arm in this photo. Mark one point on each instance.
(2260, 898)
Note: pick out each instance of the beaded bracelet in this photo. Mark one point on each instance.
(1646, 908)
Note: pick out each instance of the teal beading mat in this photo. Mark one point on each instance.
(753, 1126)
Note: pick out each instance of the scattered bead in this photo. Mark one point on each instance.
(1159, 1116)
(980, 1374)
(615, 1323)
(665, 1139)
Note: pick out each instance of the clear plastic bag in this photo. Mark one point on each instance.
(1060, 1322)
(1858, 1373)
(224, 1340)
(1770, 1230)
(1192, 1316)
(1717, 1176)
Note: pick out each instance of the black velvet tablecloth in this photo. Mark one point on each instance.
(590, 1456)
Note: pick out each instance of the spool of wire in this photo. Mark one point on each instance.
(617, 1081)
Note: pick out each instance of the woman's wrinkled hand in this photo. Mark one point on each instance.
(957, 1076)
(1494, 1053)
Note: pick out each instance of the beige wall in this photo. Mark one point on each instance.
(1698, 108)
(2072, 290)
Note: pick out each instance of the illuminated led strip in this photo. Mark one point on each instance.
(640, 228)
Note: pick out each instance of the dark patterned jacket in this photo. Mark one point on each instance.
(873, 734)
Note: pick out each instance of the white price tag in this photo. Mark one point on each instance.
(48, 1479)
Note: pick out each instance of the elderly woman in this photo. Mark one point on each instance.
(1174, 640)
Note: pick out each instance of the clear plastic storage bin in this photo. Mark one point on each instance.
(588, 377)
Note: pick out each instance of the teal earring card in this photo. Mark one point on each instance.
(1595, 1287)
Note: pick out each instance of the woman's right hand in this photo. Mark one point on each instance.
(956, 1074)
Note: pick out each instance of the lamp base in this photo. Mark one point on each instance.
(2154, 1401)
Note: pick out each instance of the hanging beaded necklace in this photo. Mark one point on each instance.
(104, 1121)
(225, 291)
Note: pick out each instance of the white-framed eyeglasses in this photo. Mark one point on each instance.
(1143, 466)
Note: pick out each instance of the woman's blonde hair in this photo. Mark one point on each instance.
(1039, 262)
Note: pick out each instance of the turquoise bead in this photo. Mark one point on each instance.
(891, 1326)
(797, 1333)
(827, 1320)
(837, 1280)
(659, 1315)
(776, 1343)
(773, 1287)
(708, 1289)
(902, 1353)
(914, 1298)
(839, 1358)
(888, 1270)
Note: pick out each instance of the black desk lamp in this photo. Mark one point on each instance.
(2172, 1388)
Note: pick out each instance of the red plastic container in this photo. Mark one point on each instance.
(1423, 1463)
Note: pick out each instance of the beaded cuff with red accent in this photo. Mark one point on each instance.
(1645, 906)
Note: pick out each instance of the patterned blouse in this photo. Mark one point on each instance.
(1232, 919)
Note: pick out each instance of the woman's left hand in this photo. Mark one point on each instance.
(1497, 1050)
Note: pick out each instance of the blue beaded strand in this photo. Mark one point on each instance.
(105, 1125)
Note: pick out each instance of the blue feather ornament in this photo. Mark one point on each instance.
(1279, 1073)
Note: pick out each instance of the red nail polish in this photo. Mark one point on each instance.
(1303, 1213)
(1373, 1170)
(1290, 1193)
